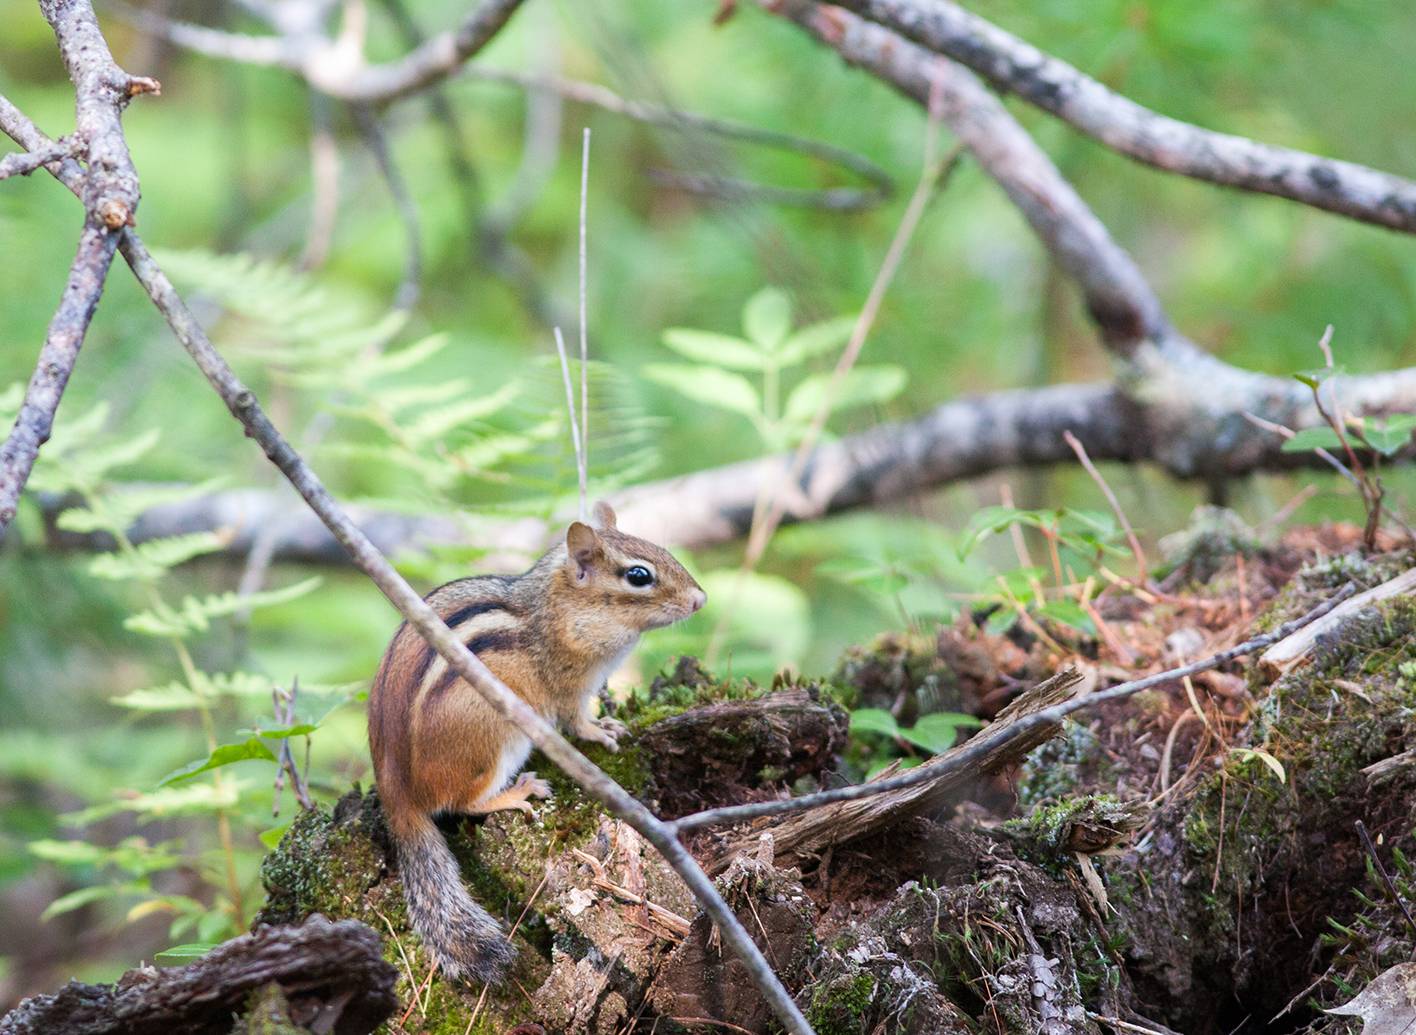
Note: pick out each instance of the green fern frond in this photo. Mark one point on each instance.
(193, 615)
(153, 558)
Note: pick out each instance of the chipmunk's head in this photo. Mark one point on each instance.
(634, 583)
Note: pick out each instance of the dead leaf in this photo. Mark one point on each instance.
(1387, 1006)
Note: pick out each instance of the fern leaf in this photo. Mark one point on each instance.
(153, 558)
(194, 616)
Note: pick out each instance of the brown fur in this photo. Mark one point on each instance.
(550, 635)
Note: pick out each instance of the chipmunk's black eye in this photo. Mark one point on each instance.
(639, 576)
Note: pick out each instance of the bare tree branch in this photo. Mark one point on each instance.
(1117, 295)
(1015, 66)
(22, 163)
(960, 439)
(109, 191)
(332, 66)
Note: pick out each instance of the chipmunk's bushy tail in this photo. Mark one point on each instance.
(463, 938)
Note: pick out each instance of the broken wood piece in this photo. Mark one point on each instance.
(333, 977)
(801, 834)
(1291, 650)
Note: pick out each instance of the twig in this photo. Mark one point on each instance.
(881, 186)
(22, 163)
(409, 288)
(109, 191)
(1285, 433)
(1386, 877)
(1142, 571)
(977, 747)
(575, 440)
(1119, 123)
(584, 459)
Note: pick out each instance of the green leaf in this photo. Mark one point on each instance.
(226, 754)
(299, 729)
(80, 898)
(1273, 764)
(181, 955)
(194, 616)
(721, 350)
(816, 339)
(767, 318)
(152, 559)
(1069, 613)
(271, 837)
(874, 720)
(1317, 375)
(1001, 621)
(709, 385)
(937, 731)
(434, 423)
(860, 386)
(1391, 435)
(1308, 439)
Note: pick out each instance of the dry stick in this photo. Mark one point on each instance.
(1142, 572)
(22, 163)
(584, 459)
(984, 743)
(769, 506)
(575, 440)
(1386, 877)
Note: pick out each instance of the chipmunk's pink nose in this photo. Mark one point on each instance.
(697, 599)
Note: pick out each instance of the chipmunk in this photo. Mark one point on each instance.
(553, 635)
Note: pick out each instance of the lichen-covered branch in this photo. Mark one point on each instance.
(1014, 66)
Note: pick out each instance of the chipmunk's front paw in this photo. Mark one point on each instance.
(532, 786)
(602, 731)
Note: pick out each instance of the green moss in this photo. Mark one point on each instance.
(1208, 543)
(1324, 722)
(267, 1013)
(325, 863)
(842, 1006)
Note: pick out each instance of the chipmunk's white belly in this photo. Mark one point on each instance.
(513, 757)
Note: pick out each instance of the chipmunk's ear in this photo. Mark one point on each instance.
(582, 546)
(604, 515)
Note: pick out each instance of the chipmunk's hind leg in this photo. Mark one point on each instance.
(527, 785)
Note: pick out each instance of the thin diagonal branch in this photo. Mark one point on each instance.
(1150, 138)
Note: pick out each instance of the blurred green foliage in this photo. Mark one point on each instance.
(224, 160)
